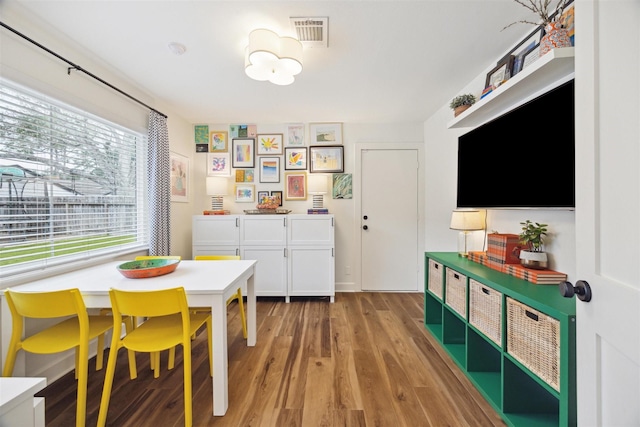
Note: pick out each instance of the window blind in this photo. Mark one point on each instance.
(72, 185)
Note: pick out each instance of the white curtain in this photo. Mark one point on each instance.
(159, 191)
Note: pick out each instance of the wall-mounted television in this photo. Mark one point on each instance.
(522, 159)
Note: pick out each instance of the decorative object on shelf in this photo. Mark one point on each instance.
(273, 58)
(278, 211)
(318, 186)
(462, 102)
(465, 221)
(532, 237)
(217, 188)
(555, 36)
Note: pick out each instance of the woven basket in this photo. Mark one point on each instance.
(456, 292)
(533, 338)
(485, 310)
(435, 278)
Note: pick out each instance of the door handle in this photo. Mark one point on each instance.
(364, 227)
(581, 289)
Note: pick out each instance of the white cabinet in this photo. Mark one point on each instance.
(295, 253)
(18, 406)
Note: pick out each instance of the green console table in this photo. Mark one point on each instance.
(514, 340)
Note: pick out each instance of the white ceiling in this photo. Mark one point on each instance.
(387, 61)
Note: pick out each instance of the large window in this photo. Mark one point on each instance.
(72, 185)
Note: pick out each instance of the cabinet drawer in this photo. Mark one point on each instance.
(485, 310)
(533, 338)
(456, 292)
(435, 278)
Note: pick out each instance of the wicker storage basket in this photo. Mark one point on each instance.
(533, 338)
(435, 278)
(485, 310)
(456, 292)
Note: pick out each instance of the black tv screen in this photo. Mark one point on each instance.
(522, 159)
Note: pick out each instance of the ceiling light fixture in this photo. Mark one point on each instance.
(177, 48)
(273, 58)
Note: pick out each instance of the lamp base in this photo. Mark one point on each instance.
(463, 245)
(318, 201)
(216, 203)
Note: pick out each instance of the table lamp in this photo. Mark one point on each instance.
(318, 187)
(217, 188)
(465, 221)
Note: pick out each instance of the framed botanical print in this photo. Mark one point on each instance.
(243, 153)
(269, 169)
(218, 164)
(269, 143)
(179, 178)
(295, 186)
(295, 158)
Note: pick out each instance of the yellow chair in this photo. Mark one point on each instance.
(73, 333)
(169, 323)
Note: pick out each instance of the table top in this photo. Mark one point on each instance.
(14, 390)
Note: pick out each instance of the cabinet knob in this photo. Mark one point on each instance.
(581, 289)
(364, 227)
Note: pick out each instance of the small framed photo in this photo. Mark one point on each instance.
(218, 164)
(243, 152)
(262, 196)
(501, 73)
(278, 196)
(295, 135)
(532, 56)
(326, 158)
(269, 143)
(295, 158)
(325, 133)
(218, 141)
(522, 48)
(245, 193)
(179, 178)
(269, 169)
(295, 186)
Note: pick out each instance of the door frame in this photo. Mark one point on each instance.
(357, 199)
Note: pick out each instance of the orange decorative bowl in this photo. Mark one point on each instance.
(148, 268)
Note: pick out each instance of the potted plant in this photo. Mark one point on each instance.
(532, 237)
(550, 19)
(461, 102)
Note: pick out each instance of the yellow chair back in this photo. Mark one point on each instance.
(215, 257)
(143, 257)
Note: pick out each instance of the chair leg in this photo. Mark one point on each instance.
(82, 372)
(100, 352)
(172, 358)
(108, 381)
(243, 316)
(188, 415)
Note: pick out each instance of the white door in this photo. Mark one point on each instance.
(608, 211)
(389, 219)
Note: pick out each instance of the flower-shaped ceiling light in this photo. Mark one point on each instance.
(271, 57)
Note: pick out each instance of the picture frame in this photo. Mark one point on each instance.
(201, 138)
(244, 193)
(269, 143)
(326, 158)
(269, 169)
(278, 195)
(243, 153)
(524, 47)
(218, 164)
(179, 177)
(295, 187)
(342, 186)
(532, 56)
(262, 195)
(500, 73)
(218, 141)
(325, 133)
(295, 158)
(295, 135)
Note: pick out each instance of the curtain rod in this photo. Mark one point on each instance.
(79, 68)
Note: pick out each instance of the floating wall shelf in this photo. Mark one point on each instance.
(551, 70)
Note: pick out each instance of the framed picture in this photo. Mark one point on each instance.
(295, 187)
(218, 164)
(342, 187)
(262, 195)
(278, 196)
(295, 134)
(567, 19)
(243, 152)
(523, 48)
(500, 73)
(201, 137)
(245, 193)
(295, 158)
(218, 141)
(325, 133)
(532, 56)
(269, 143)
(269, 169)
(179, 178)
(326, 158)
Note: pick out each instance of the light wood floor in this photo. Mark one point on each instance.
(365, 360)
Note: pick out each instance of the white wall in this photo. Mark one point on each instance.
(441, 148)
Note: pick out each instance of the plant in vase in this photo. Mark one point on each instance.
(550, 19)
(532, 237)
(461, 102)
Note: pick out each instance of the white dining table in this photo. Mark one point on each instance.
(206, 284)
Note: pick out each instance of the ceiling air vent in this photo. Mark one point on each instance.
(311, 31)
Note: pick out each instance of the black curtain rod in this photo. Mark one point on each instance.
(79, 68)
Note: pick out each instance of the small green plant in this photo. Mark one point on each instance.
(532, 235)
(460, 100)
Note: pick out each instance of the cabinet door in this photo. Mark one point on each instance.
(310, 230)
(311, 271)
(260, 230)
(215, 230)
(270, 277)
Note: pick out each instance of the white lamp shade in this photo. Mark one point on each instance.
(318, 184)
(466, 220)
(273, 58)
(217, 186)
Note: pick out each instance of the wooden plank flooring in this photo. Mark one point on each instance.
(365, 360)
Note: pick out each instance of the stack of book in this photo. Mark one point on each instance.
(222, 212)
(316, 211)
(539, 277)
(502, 249)
(479, 257)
